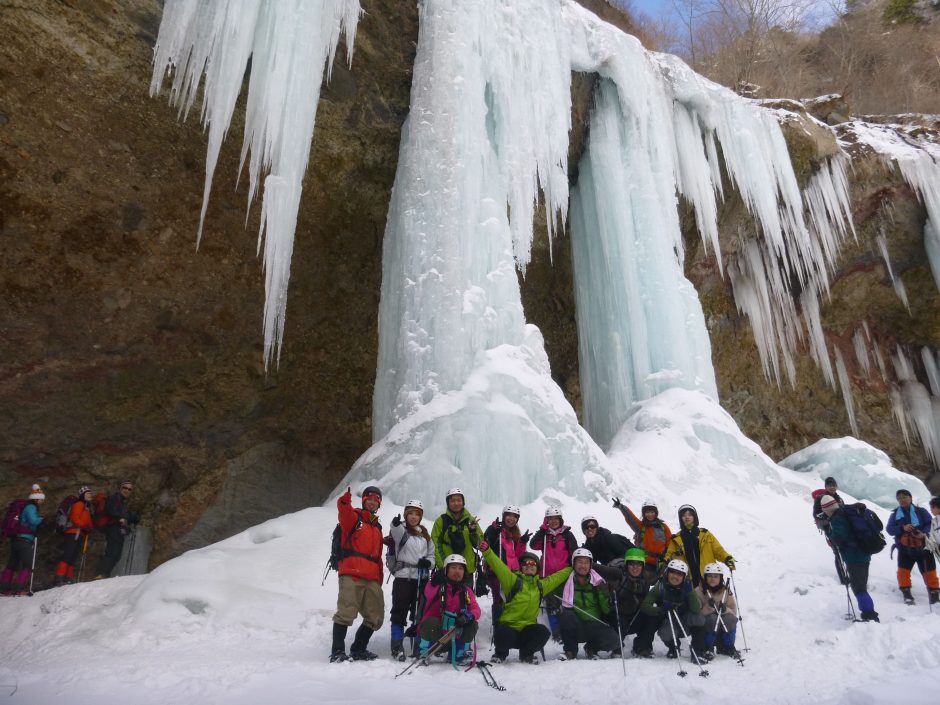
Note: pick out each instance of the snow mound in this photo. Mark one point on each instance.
(861, 470)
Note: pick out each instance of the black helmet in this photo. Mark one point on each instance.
(373, 490)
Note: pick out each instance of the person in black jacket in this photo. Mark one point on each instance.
(603, 544)
(629, 582)
(115, 525)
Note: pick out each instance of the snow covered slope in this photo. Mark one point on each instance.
(246, 620)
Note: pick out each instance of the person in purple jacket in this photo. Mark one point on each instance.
(557, 544)
(909, 524)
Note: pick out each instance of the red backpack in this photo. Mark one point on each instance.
(98, 507)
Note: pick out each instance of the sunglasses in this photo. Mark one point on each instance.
(590, 527)
(528, 563)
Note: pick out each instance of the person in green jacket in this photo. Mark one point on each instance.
(518, 627)
(671, 607)
(456, 532)
(586, 611)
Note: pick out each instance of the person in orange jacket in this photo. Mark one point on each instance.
(360, 575)
(79, 525)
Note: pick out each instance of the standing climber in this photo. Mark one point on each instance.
(909, 524)
(360, 575)
(456, 531)
(508, 543)
(856, 558)
(650, 533)
(115, 523)
(603, 543)
(78, 526)
(21, 527)
(557, 544)
(410, 557)
(696, 546)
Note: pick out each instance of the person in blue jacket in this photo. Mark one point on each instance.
(15, 577)
(909, 525)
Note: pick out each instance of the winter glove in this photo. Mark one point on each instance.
(526, 537)
(484, 545)
(424, 564)
(617, 503)
(729, 561)
(397, 520)
(463, 619)
(437, 578)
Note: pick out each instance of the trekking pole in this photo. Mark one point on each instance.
(740, 615)
(326, 572)
(623, 660)
(850, 613)
(702, 671)
(129, 560)
(32, 570)
(721, 621)
(423, 659)
(682, 673)
(81, 566)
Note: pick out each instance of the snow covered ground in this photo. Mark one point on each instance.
(246, 620)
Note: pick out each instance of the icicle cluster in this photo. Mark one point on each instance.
(290, 44)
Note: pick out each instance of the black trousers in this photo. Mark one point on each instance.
(404, 599)
(21, 554)
(528, 640)
(72, 545)
(114, 534)
(595, 636)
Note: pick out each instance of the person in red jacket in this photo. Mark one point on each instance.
(74, 543)
(360, 575)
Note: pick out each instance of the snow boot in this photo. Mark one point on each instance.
(496, 658)
(398, 649)
(673, 651)
(934, 596)
(707, 654)
(362, 655)
(527, 657)
(870, 616)
(568, 656)
(338, 656)
(908, 597)
(591, 655)
(358, 652)
(642, 653)
(339, 639)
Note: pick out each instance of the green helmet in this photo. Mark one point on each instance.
(635, 554)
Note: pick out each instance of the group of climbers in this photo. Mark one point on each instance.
(854, 533)
(76, 518)
(594, 594)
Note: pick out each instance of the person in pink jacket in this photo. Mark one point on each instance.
(557, 544)
(450, 604)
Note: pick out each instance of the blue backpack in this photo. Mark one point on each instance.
(866, 528)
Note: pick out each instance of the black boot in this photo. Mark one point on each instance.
(357, 652)
(870, 617)
(338, 652)
(934, 596)
(673, 651)
(908, 597)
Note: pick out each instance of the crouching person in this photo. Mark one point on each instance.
(360, 575)
(630, 582)
(449, 604)
(586, 611)
(720, 614)
(518, 627)
(671, 608)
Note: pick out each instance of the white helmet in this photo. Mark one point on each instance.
(414, 504)
(581, 553)
(714, 569)
(452, 491)
(512, 509)
(553, 511)
(649, 504)
(455, 558)
(678, 566)
(588, 518)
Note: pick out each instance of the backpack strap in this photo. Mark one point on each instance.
(347, 552)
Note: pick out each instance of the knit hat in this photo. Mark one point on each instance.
(127, 483)
(903, 491)
(36, 492)
(829, 504)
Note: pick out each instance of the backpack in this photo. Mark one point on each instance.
(339, 551)
(98, 508)
(62, 514)
(391, 553)
(866, 528)
(12, 520)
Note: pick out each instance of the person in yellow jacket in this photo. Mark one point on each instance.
(696, 546)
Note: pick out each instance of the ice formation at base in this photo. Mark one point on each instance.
(861, 470)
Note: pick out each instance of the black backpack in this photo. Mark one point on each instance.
(339, 551)
(866, 528)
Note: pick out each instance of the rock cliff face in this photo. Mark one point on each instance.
(127, 352)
